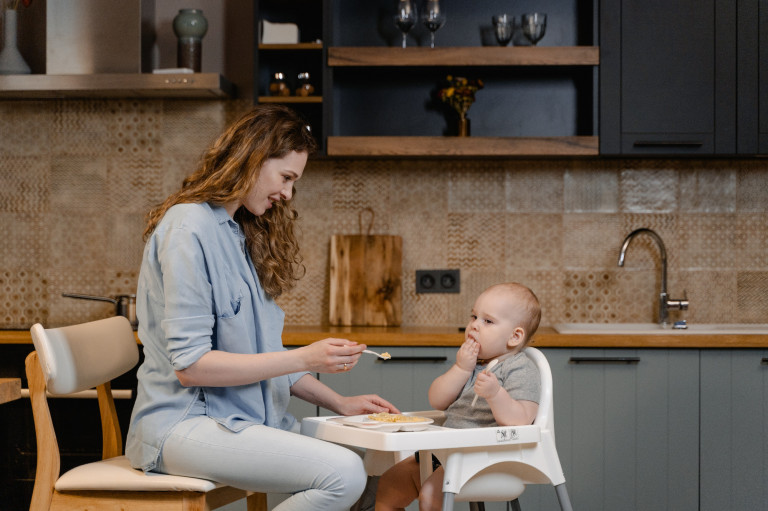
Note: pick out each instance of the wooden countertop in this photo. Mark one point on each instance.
(10, 389)
(546, 337)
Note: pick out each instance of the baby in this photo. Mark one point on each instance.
(503, 320)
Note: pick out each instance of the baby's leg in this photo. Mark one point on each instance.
(398, 486)
(431, 494)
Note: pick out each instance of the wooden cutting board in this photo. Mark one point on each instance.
(366, 280)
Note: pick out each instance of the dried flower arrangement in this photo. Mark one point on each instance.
(460, 93)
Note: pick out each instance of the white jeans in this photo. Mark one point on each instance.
(319, 475)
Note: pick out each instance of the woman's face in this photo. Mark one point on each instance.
(275, 183)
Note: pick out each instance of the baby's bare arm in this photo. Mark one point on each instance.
(447, 387)
(511, 412)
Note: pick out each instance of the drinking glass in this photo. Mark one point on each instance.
(534, 26)
(405, 18)
(503, 28)
(433, 18)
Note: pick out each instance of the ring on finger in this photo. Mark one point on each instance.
(345, 366)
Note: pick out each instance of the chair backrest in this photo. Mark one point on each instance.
(68, 360)
(545, 416)
(80, 357)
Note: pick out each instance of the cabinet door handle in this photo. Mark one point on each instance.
(604, 360)
(668, 143)
(764, 361)
(413, 359)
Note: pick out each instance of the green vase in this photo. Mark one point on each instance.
(11, 61)
(190, 26)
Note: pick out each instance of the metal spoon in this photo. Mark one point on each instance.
(383, 356)
(486, 370)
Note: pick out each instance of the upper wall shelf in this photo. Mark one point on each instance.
(290, 99)
(465, 56)
(290, 47)
(463, 146)
(181, 85)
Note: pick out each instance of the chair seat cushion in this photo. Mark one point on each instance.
(117, 474)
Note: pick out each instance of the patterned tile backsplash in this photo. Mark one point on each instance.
(77, 177)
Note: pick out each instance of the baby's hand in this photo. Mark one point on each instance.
(466, 358)
(487, 385)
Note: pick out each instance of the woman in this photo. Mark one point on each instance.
(215, 382)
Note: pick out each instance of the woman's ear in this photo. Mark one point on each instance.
(517, 338)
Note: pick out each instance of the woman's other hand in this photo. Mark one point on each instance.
(370, 403)
(331, 355)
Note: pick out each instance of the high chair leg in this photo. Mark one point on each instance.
(562, 496)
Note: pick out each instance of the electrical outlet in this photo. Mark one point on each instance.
(438, 281)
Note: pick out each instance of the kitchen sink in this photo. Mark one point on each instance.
(656, 329)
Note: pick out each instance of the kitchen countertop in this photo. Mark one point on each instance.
(10, 389)
(546, 337)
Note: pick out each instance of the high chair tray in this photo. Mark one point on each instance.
(431, 438)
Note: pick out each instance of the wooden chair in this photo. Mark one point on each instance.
(79, 357)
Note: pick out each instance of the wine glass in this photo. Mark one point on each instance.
(405, 18)
(503, 27)
(433, 18)
(534, 26)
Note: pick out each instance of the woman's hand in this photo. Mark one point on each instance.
(487, 385)
(466, 357)
(314, 391)
(370, 403)
(331, 355)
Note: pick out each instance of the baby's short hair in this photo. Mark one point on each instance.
(529, 306)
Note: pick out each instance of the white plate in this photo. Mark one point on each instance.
(362, 421)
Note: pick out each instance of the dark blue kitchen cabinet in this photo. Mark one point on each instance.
(763, 80)
(667, 77)
(752, 76)
(687, 77)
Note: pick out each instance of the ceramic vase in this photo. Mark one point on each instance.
(11, 61)
(190, 26)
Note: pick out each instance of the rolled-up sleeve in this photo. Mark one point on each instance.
(189, 319)
(294, 377)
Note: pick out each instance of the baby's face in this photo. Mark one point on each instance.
(492, 322)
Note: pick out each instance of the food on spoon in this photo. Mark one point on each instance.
(396, 417)
(386, 355)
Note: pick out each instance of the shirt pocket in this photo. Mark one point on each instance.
(229, 298)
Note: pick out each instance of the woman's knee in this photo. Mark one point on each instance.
(347, 478)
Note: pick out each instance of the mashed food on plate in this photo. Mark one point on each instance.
(396, 417)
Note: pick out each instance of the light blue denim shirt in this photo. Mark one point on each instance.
(198, 291)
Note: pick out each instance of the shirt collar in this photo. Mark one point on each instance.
(221, 215)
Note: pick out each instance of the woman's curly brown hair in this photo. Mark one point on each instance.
(228, 171)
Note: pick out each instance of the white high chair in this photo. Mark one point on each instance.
(500, 471)
(76, 358)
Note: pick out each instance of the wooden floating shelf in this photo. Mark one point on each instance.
(463, 146)
(341, 56)
(139, 85)
(297, 46)
(290, 99)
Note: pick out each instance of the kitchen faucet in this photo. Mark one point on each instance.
(665, 303)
